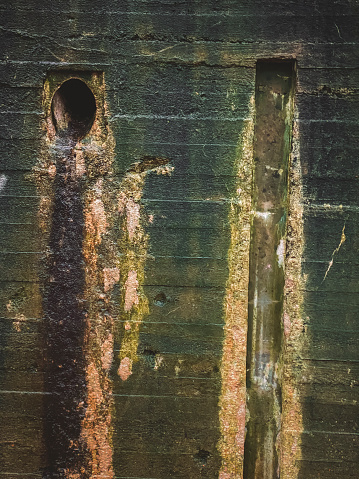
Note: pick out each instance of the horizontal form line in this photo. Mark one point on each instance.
(172, 396)
(216, 15)
(21, 474)
(21, 112)
(331, 360)
(39, 393)
(147, 143)
(152, 256)
(147, 323)
(324, 461)
(179, 201)
(3, 318)
(331, 433)
(21, 252)
(20, 196)
(333, 208)
(175, 117)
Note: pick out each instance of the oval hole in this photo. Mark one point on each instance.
(160, 299)
(73, 109)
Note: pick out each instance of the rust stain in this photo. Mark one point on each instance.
(107, 352)
(97, 423)
(102, 273)
(95, 216)
(125, 368)
(14, 308)
(289, 447)
(233, 395)
(133, 217)
(80, 165)
(133, 246)
(93, 161)
(111, 276)
(131, 295)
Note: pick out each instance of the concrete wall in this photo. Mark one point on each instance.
(125, 255)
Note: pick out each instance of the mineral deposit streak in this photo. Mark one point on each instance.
(70, 118)
(65, 323)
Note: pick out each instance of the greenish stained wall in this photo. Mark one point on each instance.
(179, 79)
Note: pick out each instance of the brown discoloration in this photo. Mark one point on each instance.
(292, 417)
(80, 166)
(233, 397)
(95, 215)
(131, 285)
(107, 352)
(102, 273)
(111, 276)
(133, 246)
(96, 429)
(93, 167)
(15, 308)
(133, 217)
(125, 368)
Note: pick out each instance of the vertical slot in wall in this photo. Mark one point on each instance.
(275, 82)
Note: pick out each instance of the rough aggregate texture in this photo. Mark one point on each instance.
(143, 300)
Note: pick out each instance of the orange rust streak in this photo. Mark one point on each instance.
(125, 368)
(133, 217)
(111, 276)
(233, 397)
(131, 285)
(96, 426)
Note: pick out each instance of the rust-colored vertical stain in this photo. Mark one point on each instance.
(292, 416)
(101, 274)
(80, 435)
(96, 426)
(133, 246)
(112, 247)
(233, 396)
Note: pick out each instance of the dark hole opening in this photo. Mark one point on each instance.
(73, 109)
(202, 457)
(160, 299)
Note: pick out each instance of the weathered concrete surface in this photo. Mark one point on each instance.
(164, 253)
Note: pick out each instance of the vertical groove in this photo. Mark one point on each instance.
(272, 140)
